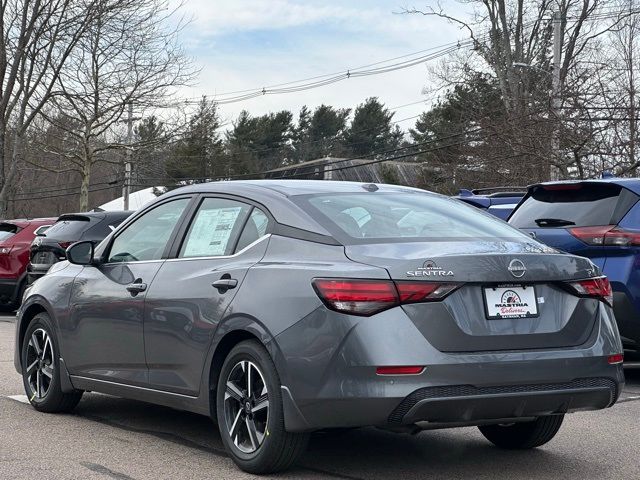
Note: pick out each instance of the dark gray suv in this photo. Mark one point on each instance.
(283, 307)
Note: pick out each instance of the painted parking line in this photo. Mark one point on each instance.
(19, 398)
(631, 398)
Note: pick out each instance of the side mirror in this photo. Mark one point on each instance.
(81, 253)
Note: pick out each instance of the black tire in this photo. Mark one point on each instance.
(53, 400)
(278, 449)
(521, 436)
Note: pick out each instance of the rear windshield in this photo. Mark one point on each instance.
(103, 228)
(379, 217)
(8, 230)
(68, 229)
(581, 205)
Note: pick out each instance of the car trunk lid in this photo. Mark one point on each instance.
(481, 315)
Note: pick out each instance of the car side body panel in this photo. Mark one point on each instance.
(104, 333)
(180, 323)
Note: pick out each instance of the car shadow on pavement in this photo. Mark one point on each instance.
(632, 378)
(367, 453)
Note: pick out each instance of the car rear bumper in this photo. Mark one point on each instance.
(34, 272)
(468, 404)
(383, 404)
(335, 385)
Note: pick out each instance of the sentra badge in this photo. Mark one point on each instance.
(430, 269)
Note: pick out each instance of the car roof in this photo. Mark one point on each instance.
(24, 222)
(287, 187)
(632, 184)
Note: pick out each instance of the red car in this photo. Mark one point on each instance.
(15, 239)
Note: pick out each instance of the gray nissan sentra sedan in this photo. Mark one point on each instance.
(279, 308)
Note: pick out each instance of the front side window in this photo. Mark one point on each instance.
(147, 237)
(214, 228)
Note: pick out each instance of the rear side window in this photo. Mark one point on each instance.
(68, 229)
(255, 228)
(380, 217)
(580, 205)
(214, 228)
(8, 230)
(41, 230)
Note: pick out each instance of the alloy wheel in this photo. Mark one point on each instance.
(40, 363)
(246, 406)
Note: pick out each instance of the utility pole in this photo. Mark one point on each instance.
(126, 188)
(555, 89)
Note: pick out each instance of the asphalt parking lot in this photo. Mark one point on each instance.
(120, 439)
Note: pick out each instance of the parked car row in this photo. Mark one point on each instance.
(28, 247)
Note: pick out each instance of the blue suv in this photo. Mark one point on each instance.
(597, 219)
(498, 201)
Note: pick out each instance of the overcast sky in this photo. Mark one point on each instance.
(246, 44)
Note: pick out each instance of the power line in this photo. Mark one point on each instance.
(379, 67)
(320, 80)
(35, 197)
(113, 183)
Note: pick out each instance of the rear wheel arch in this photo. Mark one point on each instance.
(222, 349)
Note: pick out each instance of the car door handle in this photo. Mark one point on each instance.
(136, 288)
(225, 284)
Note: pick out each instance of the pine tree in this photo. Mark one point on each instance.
(371, 131)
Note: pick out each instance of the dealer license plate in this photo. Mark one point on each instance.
(510, 302)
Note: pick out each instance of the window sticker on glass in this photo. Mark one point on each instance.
(211, 231)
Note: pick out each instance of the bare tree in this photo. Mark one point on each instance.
(620, 93)
(37, 38)
(129, 57)
(513, 40)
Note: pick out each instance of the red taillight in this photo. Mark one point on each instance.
(400, 370)
(366, 297)
(358, 297)
(606, 235)
(615, 359)
(599, 288)
(64, 245)
(412, 292)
